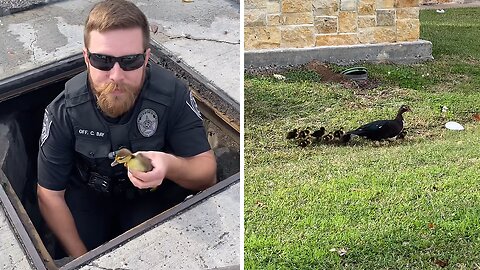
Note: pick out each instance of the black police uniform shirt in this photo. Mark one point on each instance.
(179, 126)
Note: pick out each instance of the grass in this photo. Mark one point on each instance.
(412, 204)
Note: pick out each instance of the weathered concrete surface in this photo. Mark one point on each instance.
(12, 6)
(405, 52)
(205, 35)
(205, 237)
(211, 45)
(11, 253)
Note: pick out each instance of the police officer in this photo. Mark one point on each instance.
(120, 101)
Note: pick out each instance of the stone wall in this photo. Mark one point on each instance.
(271, 24)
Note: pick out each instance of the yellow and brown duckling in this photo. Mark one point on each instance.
(137, 162)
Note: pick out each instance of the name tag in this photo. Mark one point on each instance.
(90, 133)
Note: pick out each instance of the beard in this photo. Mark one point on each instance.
(115, 105)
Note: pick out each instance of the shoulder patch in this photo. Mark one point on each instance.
(193, 105)
(147, 122)
(47, 122)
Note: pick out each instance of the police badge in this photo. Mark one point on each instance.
(47, 122)
(147, 122)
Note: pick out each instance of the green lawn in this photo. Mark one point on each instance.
(411, 204)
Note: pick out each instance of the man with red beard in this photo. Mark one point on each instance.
(121, 100)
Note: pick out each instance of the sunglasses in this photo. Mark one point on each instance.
(106, 62)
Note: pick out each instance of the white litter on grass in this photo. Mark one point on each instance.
(441, 11)
(279, 77)
(454, 126)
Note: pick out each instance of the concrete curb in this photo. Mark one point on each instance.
(402, 53)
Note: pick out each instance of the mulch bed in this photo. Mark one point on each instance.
(326, 74)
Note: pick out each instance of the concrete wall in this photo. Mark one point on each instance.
(271, 24)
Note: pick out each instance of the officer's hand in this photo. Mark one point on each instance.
(154, 177)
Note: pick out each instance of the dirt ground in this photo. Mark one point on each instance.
(325, 72)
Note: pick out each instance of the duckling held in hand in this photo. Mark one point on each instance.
(137, 162)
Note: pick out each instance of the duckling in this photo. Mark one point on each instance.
(303, 134)
(136, 162)
(345, 138)
(292, 134)
(304, 143)
(338, 133)
(328, 137)
(402, 135)
(317, 134)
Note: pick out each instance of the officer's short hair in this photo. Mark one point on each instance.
(116, 14)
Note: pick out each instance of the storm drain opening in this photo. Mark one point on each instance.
(23, 99)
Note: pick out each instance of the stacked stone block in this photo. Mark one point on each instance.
(271, 24)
